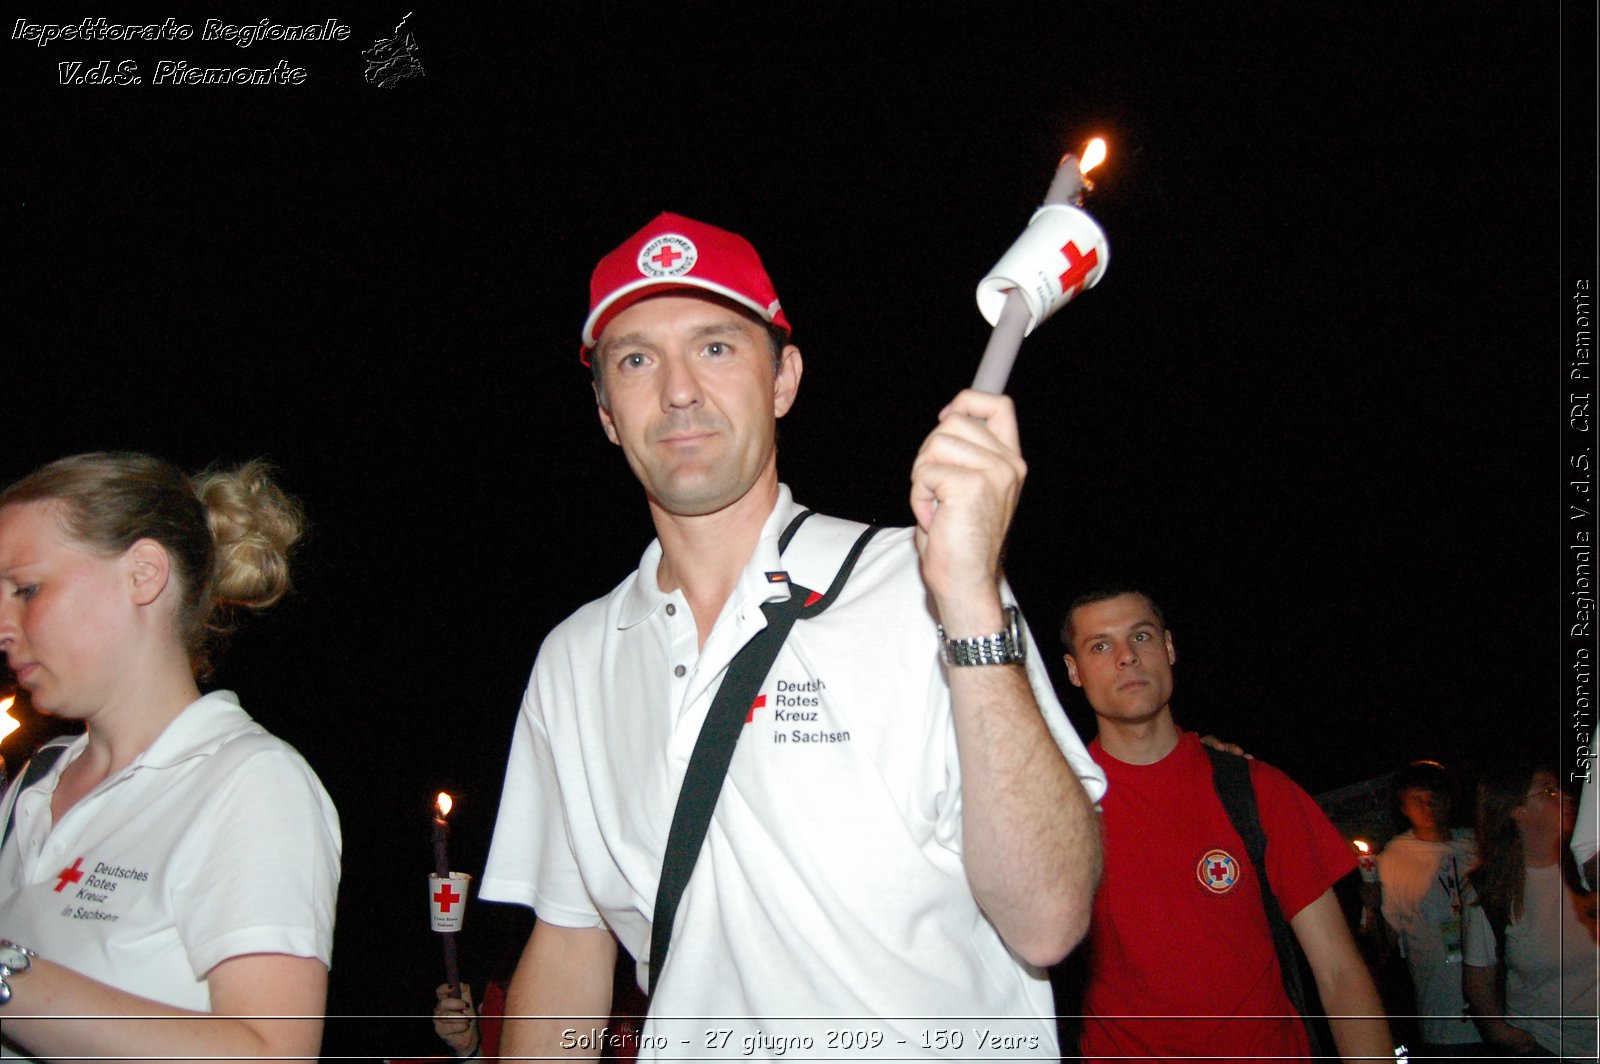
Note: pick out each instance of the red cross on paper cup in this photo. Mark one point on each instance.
(1062, 252)
(447, 901)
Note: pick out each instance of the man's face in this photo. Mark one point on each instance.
(1426, 810)
(691, 398)
(1122, 658)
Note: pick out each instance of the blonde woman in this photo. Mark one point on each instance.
(173, 872)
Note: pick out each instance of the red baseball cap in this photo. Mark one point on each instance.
(678, 252)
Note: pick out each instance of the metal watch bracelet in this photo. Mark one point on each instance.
(1002, 648)
(14, 960)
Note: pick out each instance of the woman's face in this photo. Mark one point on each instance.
(65, 612)
(1546, 806)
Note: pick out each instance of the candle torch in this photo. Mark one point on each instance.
(7, 723)
(447, 893)
(1367, 861)
(1062, 252)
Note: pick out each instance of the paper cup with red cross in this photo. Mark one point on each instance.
(447, 901)
(1061, 253)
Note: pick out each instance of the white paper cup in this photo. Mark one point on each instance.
(1061, 253)
(447, 901)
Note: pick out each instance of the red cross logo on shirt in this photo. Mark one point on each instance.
(1078, 267)
(666, 256)
(759, 703)
(446, 897)
(69, 875)
(1218, 871)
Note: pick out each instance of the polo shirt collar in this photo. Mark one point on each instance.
(644, 596)
(202, 727)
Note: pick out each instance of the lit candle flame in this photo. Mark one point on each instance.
(1361, 845)
(444, 804)
(7, 724)
(1094, 153)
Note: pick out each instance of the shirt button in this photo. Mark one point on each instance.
(679, 671)
(672, 611)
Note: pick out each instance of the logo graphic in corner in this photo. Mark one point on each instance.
(393, 58)
(668, 255)
(1218, 871)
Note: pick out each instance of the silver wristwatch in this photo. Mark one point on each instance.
(1002, 648)
(14, 959)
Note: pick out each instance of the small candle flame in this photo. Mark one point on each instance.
(7, 724)
(444, 803)
(1361, 845)
(1094, 153)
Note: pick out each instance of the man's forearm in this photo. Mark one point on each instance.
(1030, 837)
(560, 994)
(1349, 998)
(1360, 1036)
(1355, 1012)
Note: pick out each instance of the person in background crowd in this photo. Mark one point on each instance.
(468, 1031)
(171, 871)
(1423, 874)
(473, 1032)
(1586, 835)
(1181, 954)
(1530, 934)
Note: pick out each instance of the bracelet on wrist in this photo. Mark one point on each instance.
(14, 960)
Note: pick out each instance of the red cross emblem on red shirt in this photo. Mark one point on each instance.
(1078, 267)
(446, 897)
(666, 256)
(1218, 871)
(69, 875)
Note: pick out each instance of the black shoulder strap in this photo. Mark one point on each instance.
(32, 773)
(1230, 774)
(713, 749)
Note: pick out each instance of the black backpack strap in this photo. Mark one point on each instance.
(34, 771)
(713, 749)
(1230, 774)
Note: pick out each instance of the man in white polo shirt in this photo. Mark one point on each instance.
(906, 830)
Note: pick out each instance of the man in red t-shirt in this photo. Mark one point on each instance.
(1181, 958)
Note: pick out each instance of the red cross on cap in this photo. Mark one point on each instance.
(666, 256)
(69, 875)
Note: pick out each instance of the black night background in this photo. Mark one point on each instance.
(1315, 405)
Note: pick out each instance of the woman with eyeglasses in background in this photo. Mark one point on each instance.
(1530, 952)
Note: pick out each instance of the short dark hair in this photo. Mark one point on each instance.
(1422, 775)
(1104, 594)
